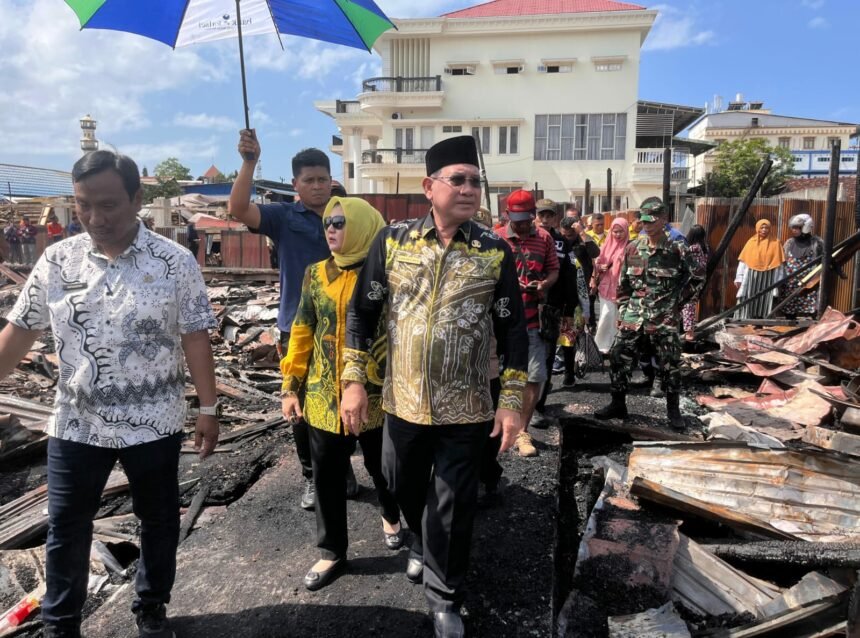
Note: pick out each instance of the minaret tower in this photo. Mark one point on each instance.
(88, 134)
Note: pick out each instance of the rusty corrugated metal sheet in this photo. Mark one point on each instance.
(242, 249)
(714, 213)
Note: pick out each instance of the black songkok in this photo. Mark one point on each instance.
(454, 150)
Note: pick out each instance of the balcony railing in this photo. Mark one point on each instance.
(403, 85)
(394, 156)
(649, 166)
(347, 106)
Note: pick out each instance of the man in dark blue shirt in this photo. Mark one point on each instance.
(297, 230)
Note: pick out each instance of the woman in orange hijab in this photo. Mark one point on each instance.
(760, 265)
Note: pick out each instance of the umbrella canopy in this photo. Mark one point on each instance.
(353, 23)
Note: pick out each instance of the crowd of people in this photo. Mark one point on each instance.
(431, 344)
(21, 237)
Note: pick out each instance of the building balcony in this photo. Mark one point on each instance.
(347, 106)
(378, 94)
(648, 167)
(336, 144)
(386, 162)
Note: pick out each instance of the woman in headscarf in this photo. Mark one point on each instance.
(760, 265)
(604, 281)
(801, 248)
(315, 357)
(697, 239)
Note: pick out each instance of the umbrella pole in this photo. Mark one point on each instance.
(242, 64)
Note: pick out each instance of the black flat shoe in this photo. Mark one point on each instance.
(318, 580)
(395, 541)
(415, 569)
(448, 624)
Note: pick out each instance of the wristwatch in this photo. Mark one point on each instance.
(211, 410)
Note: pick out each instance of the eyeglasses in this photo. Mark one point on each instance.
(458, 180)
(338, 221)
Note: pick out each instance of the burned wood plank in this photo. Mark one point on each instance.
(813, 620)
(662, 622)
(795, 553)
(11, 275)
(656, 493)
(635, 432)
(193, 511)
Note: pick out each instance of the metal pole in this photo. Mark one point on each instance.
(483, 174)
(667, 174)
(609, 189)
(248, 156)
(855, 294)
(586, 204)
(826, 284)
(735, 221)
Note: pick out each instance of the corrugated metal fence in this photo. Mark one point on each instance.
(714, 214)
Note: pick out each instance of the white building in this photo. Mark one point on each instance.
(553, 98)
(809, 140)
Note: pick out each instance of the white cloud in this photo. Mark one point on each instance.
(411, 9)
(54, 73)
(295, 132)
(818, 23)
(205, 121)
(185, 150)
(673, 29)
(812, 4)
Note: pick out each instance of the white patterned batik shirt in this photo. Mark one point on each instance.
(117, 327)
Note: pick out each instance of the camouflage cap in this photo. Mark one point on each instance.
(545, 204)
(651, 209)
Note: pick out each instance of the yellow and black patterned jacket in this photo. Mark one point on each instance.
(440, 305)
(314, 356)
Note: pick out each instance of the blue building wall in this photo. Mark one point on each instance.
(817, 163)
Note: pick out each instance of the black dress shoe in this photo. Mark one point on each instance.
(415, 568)
(318, 580)
(448, 624)
(395, 541)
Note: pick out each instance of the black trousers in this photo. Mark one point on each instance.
(330, 454)
(433, 472)
(300, 427)
(77, 474)
(491, 470)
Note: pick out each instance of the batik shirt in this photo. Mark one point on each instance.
(117, 327)
(655, 283)
(443, 305)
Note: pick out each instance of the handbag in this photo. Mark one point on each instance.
(550, 323)
(588, 357)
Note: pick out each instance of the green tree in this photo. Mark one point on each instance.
(231, 177)
(164, 188)
(220, 178)
(737, 164)
(172, 169)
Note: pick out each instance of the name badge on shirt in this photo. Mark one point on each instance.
(75, 285)
(408, 259)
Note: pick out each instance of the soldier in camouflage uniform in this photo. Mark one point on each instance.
(659, 276)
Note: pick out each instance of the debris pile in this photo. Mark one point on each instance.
(752, 529)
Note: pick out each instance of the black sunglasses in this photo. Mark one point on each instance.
(338, 221)
(458, 180)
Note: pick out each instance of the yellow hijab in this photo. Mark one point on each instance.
(762, 254)
(363, 223)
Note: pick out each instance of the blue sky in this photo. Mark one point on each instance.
(152, 102)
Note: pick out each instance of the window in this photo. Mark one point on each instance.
(509, 140)
(502, 190)
(508, 70)
(350, 168)
(483, 135)
(460, 69)
(808, 143)
(784, 142)
(581, 136)
(555, 68)
(824, 159)
(831, 141)
(404, 138)
(607, 67)
(452, 129)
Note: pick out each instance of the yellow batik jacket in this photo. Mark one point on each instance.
(441, 305)
(316, 346)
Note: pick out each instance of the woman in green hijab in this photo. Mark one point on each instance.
(315, 357)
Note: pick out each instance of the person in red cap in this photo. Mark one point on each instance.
(537, 269)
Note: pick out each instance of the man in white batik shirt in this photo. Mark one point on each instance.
(127, 309)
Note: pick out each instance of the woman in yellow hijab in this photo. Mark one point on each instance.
(315, 358)
(760, 265)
